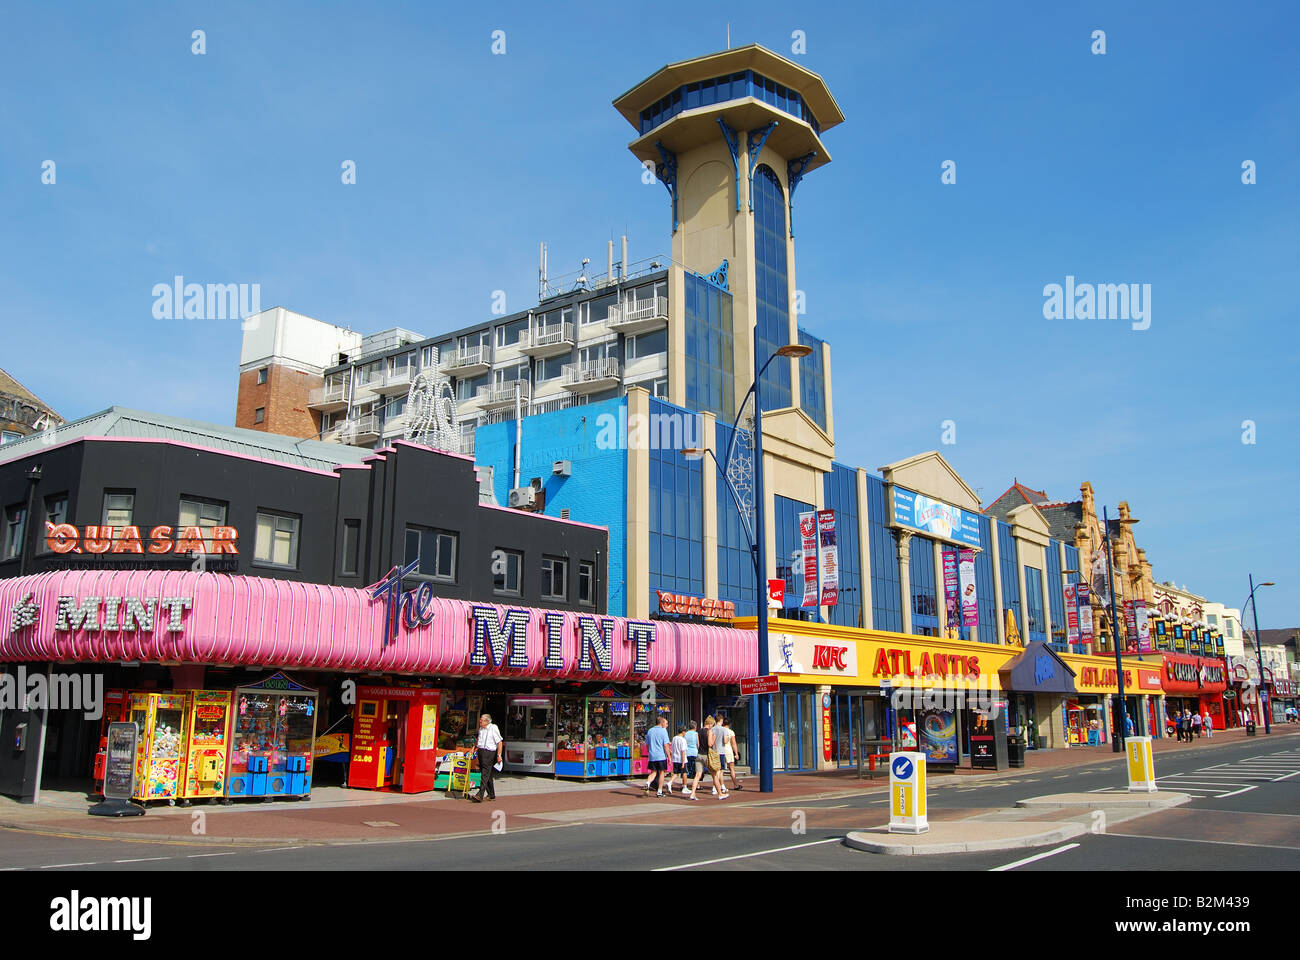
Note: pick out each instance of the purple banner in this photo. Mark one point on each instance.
(970, 614)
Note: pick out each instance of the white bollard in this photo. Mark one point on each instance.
(907, 793)
(1141, 765)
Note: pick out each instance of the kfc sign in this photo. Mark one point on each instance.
(830, 658)
(793, 654)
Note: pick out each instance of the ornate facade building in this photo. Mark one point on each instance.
(21, 411)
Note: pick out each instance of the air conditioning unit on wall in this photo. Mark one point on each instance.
(523, 497)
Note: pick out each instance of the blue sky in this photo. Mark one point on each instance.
(1120, 168)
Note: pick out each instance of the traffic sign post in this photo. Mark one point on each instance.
(1141, 765)
(907, 793)
(753, 686)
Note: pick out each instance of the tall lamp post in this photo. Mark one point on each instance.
(759, 546)
(1119, 714)
(1264, 708)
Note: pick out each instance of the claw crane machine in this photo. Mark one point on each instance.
(160, 719)
(205, 751)
(272, 732)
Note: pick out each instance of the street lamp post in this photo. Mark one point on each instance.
(1264, 708)
(759, 547)
(1119, 713)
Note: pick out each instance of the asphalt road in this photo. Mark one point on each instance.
(1245, 815)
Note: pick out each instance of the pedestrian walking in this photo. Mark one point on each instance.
(704, 758)
(694, 762)
(713, 759)
(1207, 724)
(1196, 725)
(722, 735)
(657, 745)
(730, 753)
(490, 747)
(678, 760)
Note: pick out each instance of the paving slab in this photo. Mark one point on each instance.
(963, 836)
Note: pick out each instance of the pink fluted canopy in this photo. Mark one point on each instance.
(279, 623)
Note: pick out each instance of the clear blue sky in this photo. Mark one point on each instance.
(1117, 168)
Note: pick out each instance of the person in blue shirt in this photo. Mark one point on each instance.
(694, 762)
(656, 742)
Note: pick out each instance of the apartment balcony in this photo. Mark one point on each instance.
(548, 341)
(502, 395)
(467, 363)
(329, 398)
(590, 377)
(395, 383)
(395, 427)
(638, 317)
(550, 404)
(358, 431)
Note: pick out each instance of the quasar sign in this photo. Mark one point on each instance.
(164, 538)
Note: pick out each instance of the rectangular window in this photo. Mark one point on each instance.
(550, 368)
(428, 358)
(261, 376)
(647, 344)
(434, 549)
(586, 582)
(15, 528)
(56, 508)
(201, 513)
(277, 539)
(119, 508)
(555, 578)
(506, 569)
(259, 415)
(659, 388)
(351, 547)
(8, 436)
(508, 333)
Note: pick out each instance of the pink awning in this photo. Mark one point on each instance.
(251, 621)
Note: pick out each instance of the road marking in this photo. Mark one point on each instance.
(56, 866)
(1235, 793)
(195, 856)
(142, 859)
(1287, 777)
(1041, 856)
(743, 856)
(277, 849)
(1225, 843)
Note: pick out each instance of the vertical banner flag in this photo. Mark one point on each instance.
(1071, 615)
(970, 615)
(1131, 626)
(1082, 596)
(830, 558)
(808, 541)
(950, 588)
(1144, 626)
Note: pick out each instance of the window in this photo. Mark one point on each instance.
(351, 546)
(506, 567)
(586, 582)
(277, 539)
(201, 513)
(15, 528)
(659, 388)
(592, 354)
(508, 333)
(428, 358)
(550, 368)
(647, 344)
(555, 578)
(7, 436)
(56, 508)
(466, 388)
(434, 549)
(596, 311)
(259, 415)
(510, 374)
(261, 376)
(119, 507)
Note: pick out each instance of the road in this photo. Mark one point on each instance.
(1245, 815)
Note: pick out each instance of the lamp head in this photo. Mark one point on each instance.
(693, 453)
(795, 351)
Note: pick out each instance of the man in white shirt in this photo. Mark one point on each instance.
(490, 747)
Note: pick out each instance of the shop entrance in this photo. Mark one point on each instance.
(395, 739)
(793, 720)
(855, 717)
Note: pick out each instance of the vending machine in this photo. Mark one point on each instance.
(273, 727)
(161, 721)
(116, 703)
(205, 753)
(395, 739)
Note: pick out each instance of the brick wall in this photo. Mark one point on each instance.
(284, 395)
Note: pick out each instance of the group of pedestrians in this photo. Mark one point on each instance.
(689, 755)
(1189, 726)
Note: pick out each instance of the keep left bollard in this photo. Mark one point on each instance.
(907, 793)
(1141, 765)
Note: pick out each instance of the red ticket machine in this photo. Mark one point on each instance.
(395, 739)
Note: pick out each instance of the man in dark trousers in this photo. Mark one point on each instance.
(490, 747)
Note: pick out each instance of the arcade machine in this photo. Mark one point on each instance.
(529, 730)
(644, 716)
(271, 739)
(205, 754)
(395, 739)
(595, 735)
(160, 719)
(115, 711)
(457, 735)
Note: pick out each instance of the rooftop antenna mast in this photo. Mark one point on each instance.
(541, 273)
(728, 34)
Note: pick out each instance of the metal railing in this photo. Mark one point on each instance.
(589, 372)
(504, 392)
(547, 336)
(330, 393)
(656, 308)
(473, 357)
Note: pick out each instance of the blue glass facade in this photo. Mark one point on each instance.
(886, 608)
(812, 380)
(731, 86)
(772, 287)
(840, 491)
(735, 563)
(787, 542)
(710, 362)
(1034, 604)
(987, 602)
(1056, 595)
(925, 600)
(1009, 558)
(676, 519)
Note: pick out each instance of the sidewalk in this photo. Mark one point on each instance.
(339, 815)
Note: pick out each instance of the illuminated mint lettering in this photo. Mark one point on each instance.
(640, 635)
(139, 615)
(111, 605)
(598, 639)
(73, 617)
(554, 659)
(175, 607)
(493, 636)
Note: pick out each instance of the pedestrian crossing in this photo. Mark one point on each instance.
(1237, 776)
